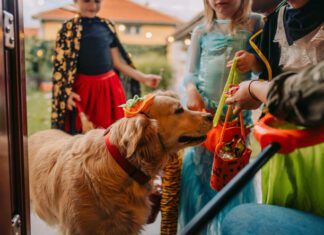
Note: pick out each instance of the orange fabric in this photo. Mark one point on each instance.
(289, 139)
(214, 136)
(223, 169)
(140, 106)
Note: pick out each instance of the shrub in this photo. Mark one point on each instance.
(153, 63)
(38, 58)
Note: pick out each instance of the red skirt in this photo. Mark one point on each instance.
(101, 95)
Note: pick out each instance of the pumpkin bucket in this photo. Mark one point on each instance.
(231, 154)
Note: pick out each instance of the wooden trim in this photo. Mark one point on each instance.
(5, 182)
(16, 125)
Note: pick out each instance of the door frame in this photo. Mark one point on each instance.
(14, 183)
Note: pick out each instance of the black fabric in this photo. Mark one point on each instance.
(270, 49)
(300, 22)
(257, 26)
(96, 40)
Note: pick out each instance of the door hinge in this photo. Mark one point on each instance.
(16, 224)
(9, 32)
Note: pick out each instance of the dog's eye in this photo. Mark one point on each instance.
(179, 110)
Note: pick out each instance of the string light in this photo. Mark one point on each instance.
(148, 35)
(187, 42)
(170, 39)
(122, 28)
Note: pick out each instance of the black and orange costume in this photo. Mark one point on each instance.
(70, 60)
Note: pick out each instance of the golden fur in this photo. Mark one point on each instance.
(77, 185)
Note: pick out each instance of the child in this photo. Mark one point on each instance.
(292, 40)
(85, 58)
(227, 31)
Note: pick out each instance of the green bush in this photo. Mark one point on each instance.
(136, 50)
(153, 63)
(38, 60)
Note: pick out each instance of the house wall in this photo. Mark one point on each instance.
(159, 33)
(49, 30)
(177, 57)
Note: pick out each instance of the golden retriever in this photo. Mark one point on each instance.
(77, 185)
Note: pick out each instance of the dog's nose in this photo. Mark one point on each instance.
(209, 117)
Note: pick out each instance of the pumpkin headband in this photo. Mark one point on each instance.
(137, 105)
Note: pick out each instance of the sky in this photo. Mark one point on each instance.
(182, 9)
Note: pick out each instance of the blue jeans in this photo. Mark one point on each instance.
(258, 219)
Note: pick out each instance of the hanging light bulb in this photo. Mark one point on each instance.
(122, 27)
(187, 42)
(149, 35)
(170, 39)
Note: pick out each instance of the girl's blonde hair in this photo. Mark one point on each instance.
(240, 17)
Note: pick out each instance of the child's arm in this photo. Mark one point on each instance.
(246, 62)
(194, 101)
(250, 95)
(149, 80)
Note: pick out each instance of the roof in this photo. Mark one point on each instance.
(185, 29)
(122, 11)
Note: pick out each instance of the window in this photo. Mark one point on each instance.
(133, 29)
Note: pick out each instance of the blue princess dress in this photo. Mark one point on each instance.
(211, 49)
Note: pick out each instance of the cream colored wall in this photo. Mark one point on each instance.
(159, 34)
(177, 55)
(49, 30)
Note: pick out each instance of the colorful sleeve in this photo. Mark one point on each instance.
(193, 65)
(58, 79)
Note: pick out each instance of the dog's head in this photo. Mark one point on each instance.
(138, 139)
(164, 128)
(178, 126)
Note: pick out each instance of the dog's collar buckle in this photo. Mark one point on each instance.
(130, 169)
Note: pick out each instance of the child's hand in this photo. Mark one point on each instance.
(70, 102)
(152, 80)
(245, 61)
(194, 101)
(241, 98)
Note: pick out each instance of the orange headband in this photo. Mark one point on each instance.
(137, 105)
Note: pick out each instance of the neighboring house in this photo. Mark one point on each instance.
(30, 32)
(136, 24)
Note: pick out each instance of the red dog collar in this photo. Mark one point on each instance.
(131, 170)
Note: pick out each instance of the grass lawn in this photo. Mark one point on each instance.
(38, 111)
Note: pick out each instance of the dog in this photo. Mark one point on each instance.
(77, 185)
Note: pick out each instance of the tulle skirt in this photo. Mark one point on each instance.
(101, 97)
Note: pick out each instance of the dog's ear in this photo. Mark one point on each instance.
(140, 130)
